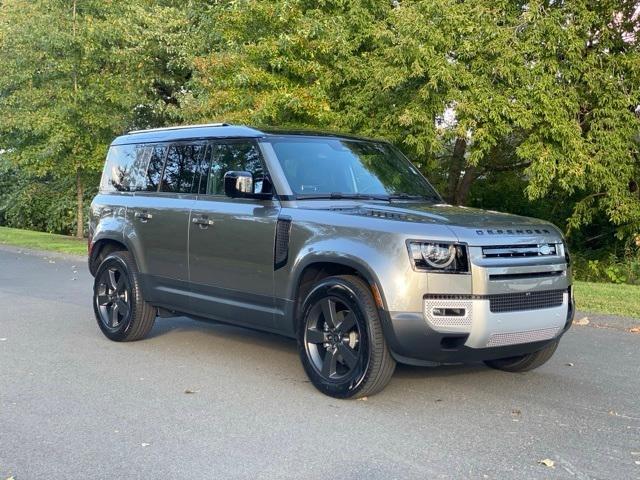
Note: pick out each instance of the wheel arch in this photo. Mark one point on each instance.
(101, 248)
(316, 268)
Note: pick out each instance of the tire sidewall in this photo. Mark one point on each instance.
(524, 363)
(123, 329)
(336, 287)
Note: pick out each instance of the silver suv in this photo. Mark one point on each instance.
(336, 241)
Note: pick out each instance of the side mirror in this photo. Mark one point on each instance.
(238, 184)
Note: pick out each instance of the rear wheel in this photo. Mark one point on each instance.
(340, 339)
(121, 312)
(524, 363)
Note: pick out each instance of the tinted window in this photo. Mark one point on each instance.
(204, 161)
(119, 163)
(129, 166)
(154, 168)
(181, 168)
(242, 156)
(136, 177)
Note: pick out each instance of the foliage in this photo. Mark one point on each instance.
(525, 106)
(77, 73)
(608, 267)
(545, 89)
(46, 203)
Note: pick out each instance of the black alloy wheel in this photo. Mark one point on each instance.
(340, 340)
(333, 339)
(113, 297)
(120, 309)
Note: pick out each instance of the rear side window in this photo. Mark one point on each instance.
(181, 168)
(240, 155)
(133, 168)
(117, 168)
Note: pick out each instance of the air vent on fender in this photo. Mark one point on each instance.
(281, 247)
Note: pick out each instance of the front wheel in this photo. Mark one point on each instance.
(524, 363)
(340, 339)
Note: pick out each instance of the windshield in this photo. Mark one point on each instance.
(326, 167)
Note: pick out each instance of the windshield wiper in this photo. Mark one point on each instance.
(342, 196)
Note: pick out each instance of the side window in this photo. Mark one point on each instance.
(138, 174)
(241, 155)
(204, 163)
(154, 168)
(117, 168)
(181, 168)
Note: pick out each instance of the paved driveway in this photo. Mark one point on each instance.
(74, 405)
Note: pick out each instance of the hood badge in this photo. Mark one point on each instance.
(509, 231)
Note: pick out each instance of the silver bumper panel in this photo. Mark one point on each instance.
(489, 329)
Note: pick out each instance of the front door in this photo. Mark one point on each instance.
(231, 242)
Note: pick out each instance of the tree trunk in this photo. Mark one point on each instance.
(80, 205)
(470, 174)
(455, 168)
(79, 184)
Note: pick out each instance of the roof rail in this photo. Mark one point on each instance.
(180, 127)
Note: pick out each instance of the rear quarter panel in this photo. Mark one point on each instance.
(109, 221)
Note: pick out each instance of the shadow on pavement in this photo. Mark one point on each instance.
(255, 338)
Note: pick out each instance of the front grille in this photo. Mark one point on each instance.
(514, 302)
(518, 276)
(514, 338)
(511, 251)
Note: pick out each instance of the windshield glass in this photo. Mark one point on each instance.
(334, 167)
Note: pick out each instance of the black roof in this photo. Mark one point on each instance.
(214, 130)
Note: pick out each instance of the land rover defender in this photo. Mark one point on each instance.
(336, 241)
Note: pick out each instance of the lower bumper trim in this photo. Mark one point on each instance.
(514, 338)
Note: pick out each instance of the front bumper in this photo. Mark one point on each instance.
(481, 334)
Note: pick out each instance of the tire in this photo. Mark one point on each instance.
(524, 363)
(348, 358)
(117, 288)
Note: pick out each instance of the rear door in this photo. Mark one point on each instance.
(160, 215)
(231, 242)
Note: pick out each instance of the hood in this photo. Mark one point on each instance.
(471, 225)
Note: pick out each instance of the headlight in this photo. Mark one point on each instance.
(439, 257)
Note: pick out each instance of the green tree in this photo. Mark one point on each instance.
(75, 74)
(548, 90)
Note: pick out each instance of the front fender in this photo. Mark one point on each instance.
(336, 252)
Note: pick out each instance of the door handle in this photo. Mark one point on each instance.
(202, 222)
(143, 216)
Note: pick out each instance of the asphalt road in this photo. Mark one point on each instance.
(74, 405)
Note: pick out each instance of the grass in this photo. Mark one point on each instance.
(42, 241)
(606, 298)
